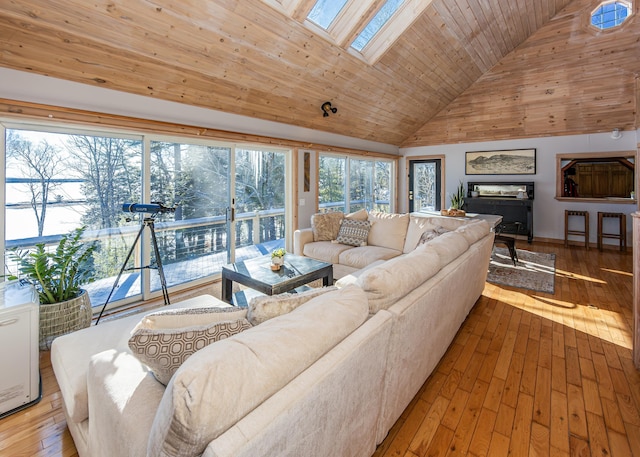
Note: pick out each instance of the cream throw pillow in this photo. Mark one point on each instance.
(267, 307)
(360, 215)
(189, 317)
(325, 226)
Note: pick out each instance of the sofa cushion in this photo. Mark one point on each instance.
(451, 223)
(325, 226)
(449, 246)
(164, 350)
(352, 277)
(70, 353)
(223, 382)
(360, 215)
(387, 283)
(388, 230)
(353, 232)
(267, 307)
(474, 230)
(124, 397)
(418, 225)
(362, 256)
(325, 251)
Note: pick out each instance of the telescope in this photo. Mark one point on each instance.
(146, 208)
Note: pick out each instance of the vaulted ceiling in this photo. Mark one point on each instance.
(463, 70)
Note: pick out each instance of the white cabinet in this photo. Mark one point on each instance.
(19, 353)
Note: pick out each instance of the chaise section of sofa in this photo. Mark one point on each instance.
(304, 353)
(71, 354)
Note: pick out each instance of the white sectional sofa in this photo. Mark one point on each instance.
(329, 378)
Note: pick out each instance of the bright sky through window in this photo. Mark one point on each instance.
(374, 26)
(325, 11)
(610, 15)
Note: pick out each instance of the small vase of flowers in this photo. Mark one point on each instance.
(277, 258)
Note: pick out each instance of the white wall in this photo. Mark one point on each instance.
(548, 212)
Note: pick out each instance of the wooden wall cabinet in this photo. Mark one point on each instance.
(601, 180)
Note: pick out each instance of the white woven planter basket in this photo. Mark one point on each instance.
(65, 317)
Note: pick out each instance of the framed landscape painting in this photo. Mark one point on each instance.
(507, 162)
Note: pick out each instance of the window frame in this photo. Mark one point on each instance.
(627, 4)
(146, 137)
(393, 178)
(563, 157)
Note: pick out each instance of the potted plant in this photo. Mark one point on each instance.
(277, 258)
(457, 202)
(58, 276)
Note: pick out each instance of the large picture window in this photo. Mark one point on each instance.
(229, 203)
(352, 183)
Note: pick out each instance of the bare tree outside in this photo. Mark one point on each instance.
(111, 170)
(40, 163)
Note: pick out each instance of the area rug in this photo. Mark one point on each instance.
(534, 271)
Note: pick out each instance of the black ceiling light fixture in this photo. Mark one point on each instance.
(326, 107)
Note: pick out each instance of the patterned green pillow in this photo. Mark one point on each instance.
(353, 232)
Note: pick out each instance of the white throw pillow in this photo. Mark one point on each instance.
(267, 307)
(360, 215)
(189, 317)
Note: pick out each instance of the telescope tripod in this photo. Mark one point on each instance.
(146, 222)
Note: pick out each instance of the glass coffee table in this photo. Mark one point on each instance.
(257, 274)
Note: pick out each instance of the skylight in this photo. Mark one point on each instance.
(374, 26)
(324, 12)
(610, 14)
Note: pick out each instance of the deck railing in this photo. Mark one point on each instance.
(190, 249)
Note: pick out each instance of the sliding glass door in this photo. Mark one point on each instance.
(228, 202)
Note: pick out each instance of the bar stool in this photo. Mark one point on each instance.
(584, 232)
(622, 230)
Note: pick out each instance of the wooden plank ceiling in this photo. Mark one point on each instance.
(447, 78)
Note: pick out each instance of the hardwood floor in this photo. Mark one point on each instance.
(528, 374)
(533, 374)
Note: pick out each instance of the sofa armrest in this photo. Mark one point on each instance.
(300, 238)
